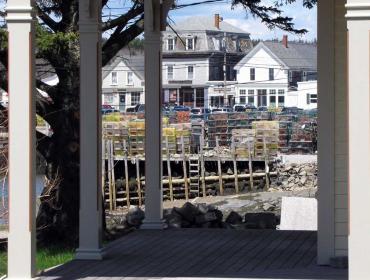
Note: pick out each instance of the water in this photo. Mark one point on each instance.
(4, 196)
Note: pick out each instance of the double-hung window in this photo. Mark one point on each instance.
(170, 44)
(130, 78)
(252, 74)
(190, 72)
(114, 78)
(169, 72)
(189, 44)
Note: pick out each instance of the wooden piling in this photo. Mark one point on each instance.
(114, 191)
(109, 173)
(251, 181)
(267, 168)
(219, 167)
(138, 181)
(126, 173)
(186, 185)
(169, 169)
(103, 156)
(202, 166)
(235, 165)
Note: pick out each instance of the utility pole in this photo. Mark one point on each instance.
(226, 101)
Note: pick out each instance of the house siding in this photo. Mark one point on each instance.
(112, 90)
(341, 133)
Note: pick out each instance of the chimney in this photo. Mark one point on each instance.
(217, 21)
(285, 41)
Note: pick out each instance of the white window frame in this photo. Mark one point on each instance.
(311, 97)
(108, 99)
(281, 93)
(173, 44)
(114, 78)
(271, 71)
(252, 69)
(251, 93)
(130, 81)
(187, 69)
(173, 72)
(192, 43)
(132, 99)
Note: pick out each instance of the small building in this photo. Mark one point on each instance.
(195, 52)
(123, 82)
(305, 97)
(272, 69)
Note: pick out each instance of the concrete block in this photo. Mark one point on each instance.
(298, 213)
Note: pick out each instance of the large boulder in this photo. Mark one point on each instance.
(188, 212)
(234, 218)
(135, 216)
(260, 220)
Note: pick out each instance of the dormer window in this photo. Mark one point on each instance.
(189, 44)
(170, 44)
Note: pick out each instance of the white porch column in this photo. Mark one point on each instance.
(153, 116)
(21, 79)
(90, 233)
(358, 23)
(326, 133)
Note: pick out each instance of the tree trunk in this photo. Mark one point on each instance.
(58, 216)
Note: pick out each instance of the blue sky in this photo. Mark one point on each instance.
(303, 18)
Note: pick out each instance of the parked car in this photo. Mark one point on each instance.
(291, 110)
(239, 108)
(250, 107)
(108, 109)
(200, 111)
(138, 108)
(263, 109)
(221, 110)
(181, 108)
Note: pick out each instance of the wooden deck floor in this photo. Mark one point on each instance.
(198, 253)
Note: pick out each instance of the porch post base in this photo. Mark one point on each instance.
(90, 254)
(159, 225)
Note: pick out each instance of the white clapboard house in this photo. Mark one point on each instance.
(123, 81)
(273, 73)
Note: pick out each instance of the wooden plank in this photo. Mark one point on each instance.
(103, 155)
(219, 168)
(202, 166)
(235, 165)
(184, 168)
(110, 176)
(267, 168)
(250, 166)
(114, 196)
(126, 173)
(169, 169)
(138, 182)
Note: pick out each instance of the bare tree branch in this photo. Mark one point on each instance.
(123, 19)
(116, 43)
(53, 25)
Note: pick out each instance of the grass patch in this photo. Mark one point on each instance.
(45, 258)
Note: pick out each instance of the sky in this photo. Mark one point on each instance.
(302, 17)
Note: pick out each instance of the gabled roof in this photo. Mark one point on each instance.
(295, 56)
(204, 23)
(135, 63)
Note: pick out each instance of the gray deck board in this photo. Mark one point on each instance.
(204, 253)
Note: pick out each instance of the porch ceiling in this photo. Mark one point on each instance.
(207, 253)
